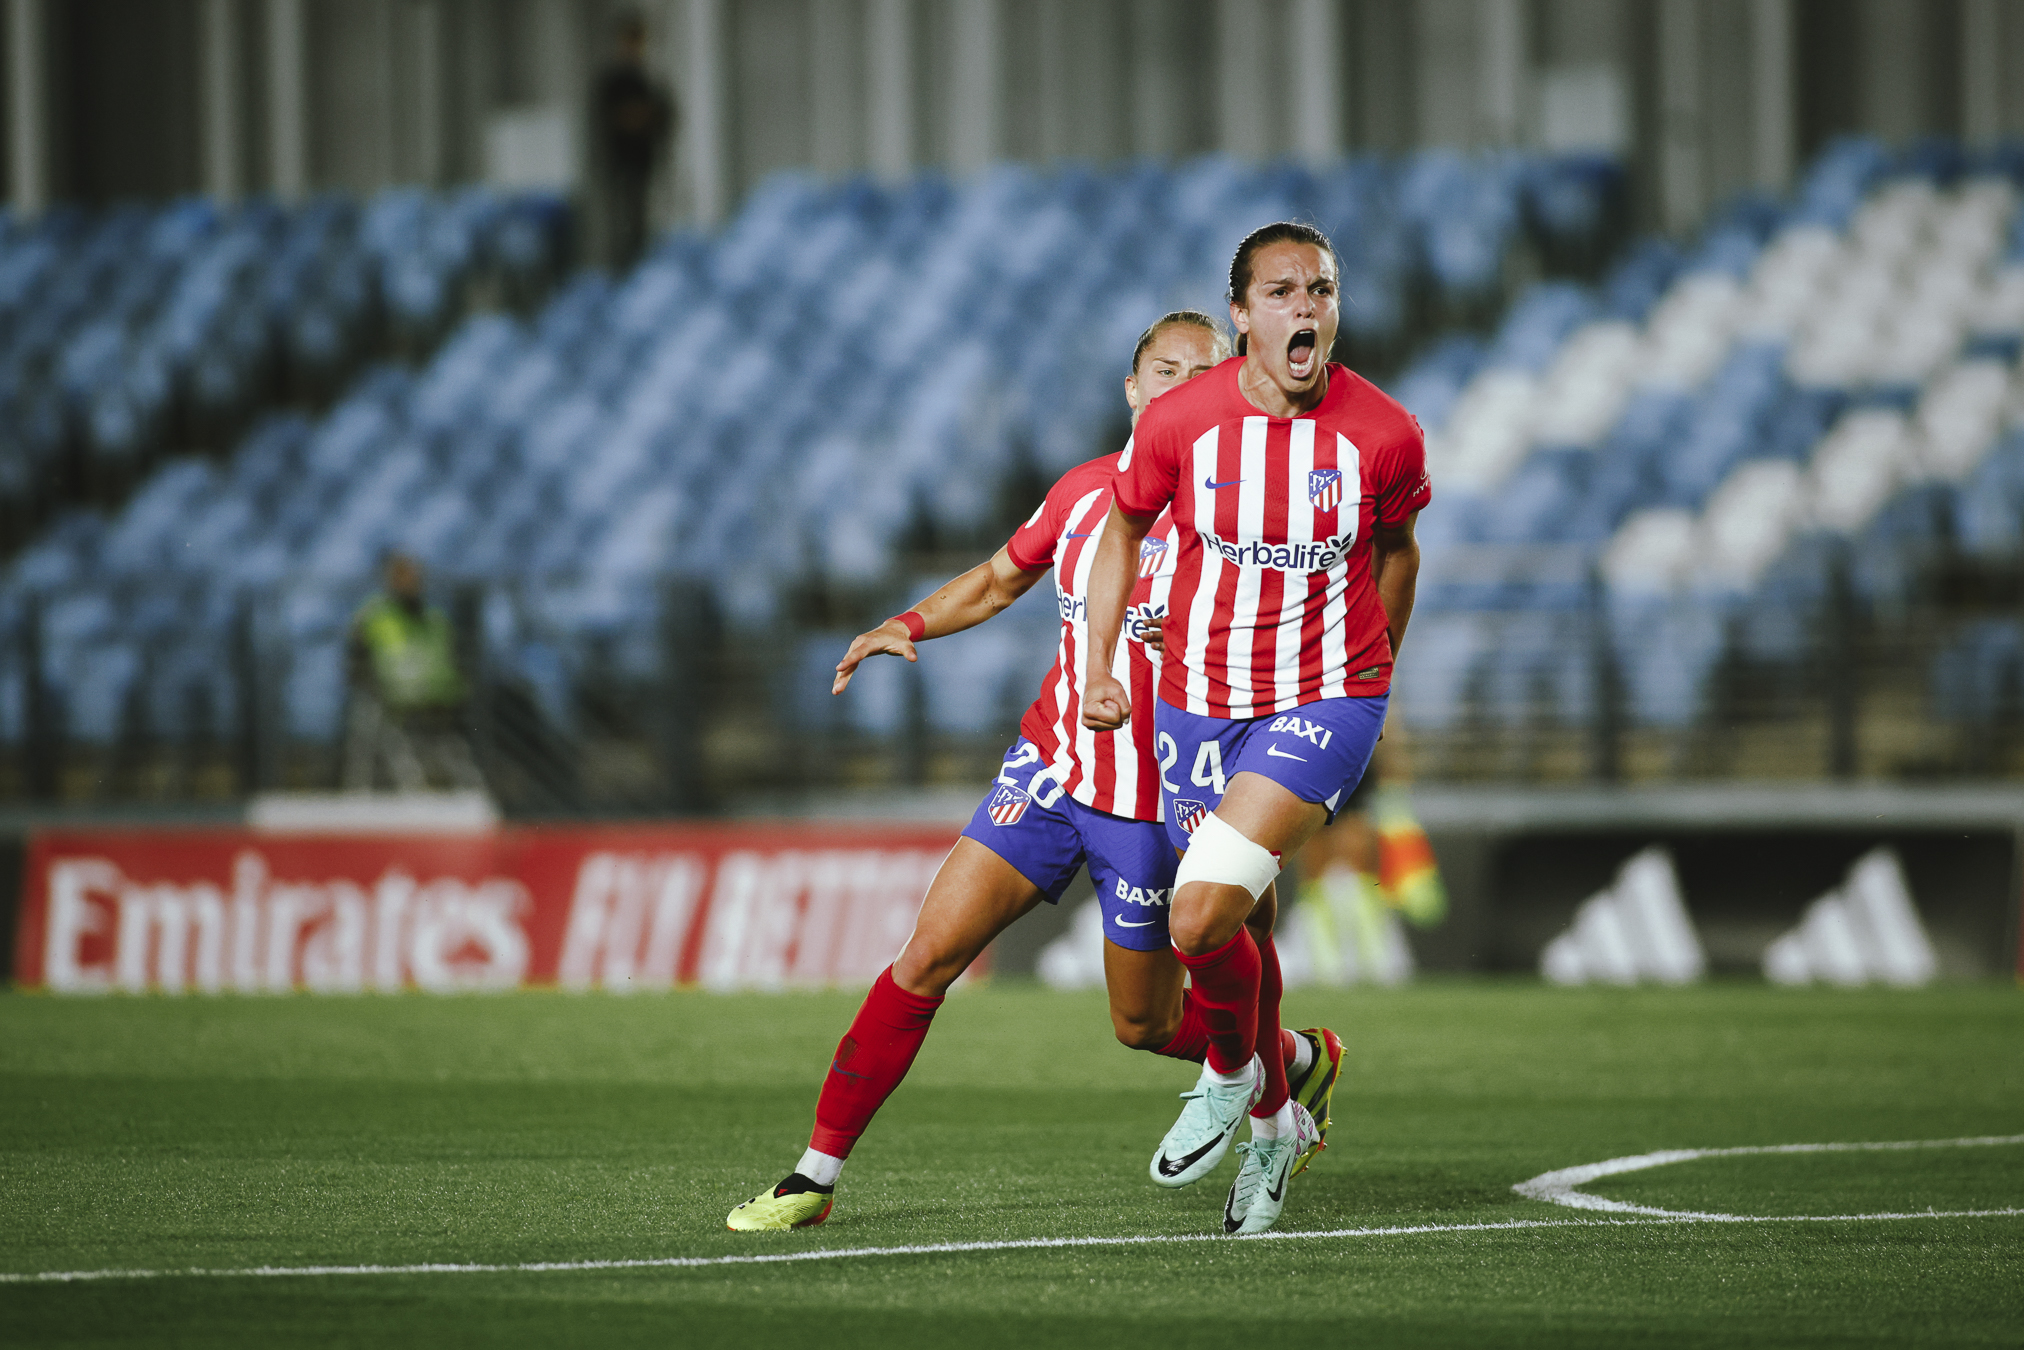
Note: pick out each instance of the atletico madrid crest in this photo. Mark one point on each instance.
(1324, 488)
(1151, 552)
(1188, 813)
(1007, 805)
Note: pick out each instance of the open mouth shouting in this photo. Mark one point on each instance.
(1302, 355)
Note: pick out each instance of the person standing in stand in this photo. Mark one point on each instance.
(633, 118)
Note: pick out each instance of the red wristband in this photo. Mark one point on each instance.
(916, 626)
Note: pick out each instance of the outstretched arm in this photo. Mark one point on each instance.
(1105, 704)
(1395, 567)
(986, 589)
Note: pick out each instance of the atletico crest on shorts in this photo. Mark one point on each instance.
(1150, 554)
(1188, 813)
(1324, 488)
(1007, 805)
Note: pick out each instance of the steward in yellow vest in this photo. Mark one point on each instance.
(405, 719)
(404, 647)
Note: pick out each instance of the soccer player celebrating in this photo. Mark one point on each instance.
(1067, 795)
(1292, 485)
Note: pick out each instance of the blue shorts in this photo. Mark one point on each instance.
(1030, 821)
(1318, 752)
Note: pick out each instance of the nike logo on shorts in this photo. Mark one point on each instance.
(1211, 485)
(1274, 752)
(1122, 922)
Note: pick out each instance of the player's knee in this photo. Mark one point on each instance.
(1138, 1030)
(922, 969)
(1200, 928)
(1218, 886)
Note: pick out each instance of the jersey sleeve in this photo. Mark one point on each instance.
(1032, 545)
(1149, 473)
(1403, 485)
(1035, 543)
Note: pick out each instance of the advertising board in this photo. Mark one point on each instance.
(619, 908)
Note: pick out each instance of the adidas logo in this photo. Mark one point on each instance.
(1637, 930)
(1865, 931)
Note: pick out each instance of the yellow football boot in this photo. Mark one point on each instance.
(794, 1203)
(1315, 1089)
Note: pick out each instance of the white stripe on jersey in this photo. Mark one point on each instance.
(1335, 611)
(1203, 610)
(1298, 585)
(1077, 741)
(1071, 739)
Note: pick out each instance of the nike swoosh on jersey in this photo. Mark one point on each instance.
(1212, 485)
(1122, 923)
(1273, 751)
(1084, 535)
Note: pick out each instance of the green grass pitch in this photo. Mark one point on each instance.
(231, 1133)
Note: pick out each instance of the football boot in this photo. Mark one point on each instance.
(1263, 1169)
(1207, 1125)
(795, 1203)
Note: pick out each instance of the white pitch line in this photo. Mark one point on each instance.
(938, 1248)
(1561, 1187)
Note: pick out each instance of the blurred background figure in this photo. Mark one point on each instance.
(407, 695)
(1368, 875)
(633, 118)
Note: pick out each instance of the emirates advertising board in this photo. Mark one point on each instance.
(718, 907)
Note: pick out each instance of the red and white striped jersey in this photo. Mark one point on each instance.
(1113, 771)
(1273, 603)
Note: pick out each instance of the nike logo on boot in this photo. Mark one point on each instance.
(1175, 1168)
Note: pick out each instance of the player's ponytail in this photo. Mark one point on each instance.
(1279, 232)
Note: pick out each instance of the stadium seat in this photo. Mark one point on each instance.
(1699, 425)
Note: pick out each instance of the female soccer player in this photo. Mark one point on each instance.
(1066, 795)
(1293, 486)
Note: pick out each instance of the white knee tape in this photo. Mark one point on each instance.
(1219, 853)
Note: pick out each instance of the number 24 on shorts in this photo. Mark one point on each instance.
(1208, 768)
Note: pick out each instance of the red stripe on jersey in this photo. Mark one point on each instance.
(1226, 505)
(1313, 623)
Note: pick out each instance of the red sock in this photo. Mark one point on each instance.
(1226, 987)
(870, 1060)
(1191, 1038)
(1269, 1031)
